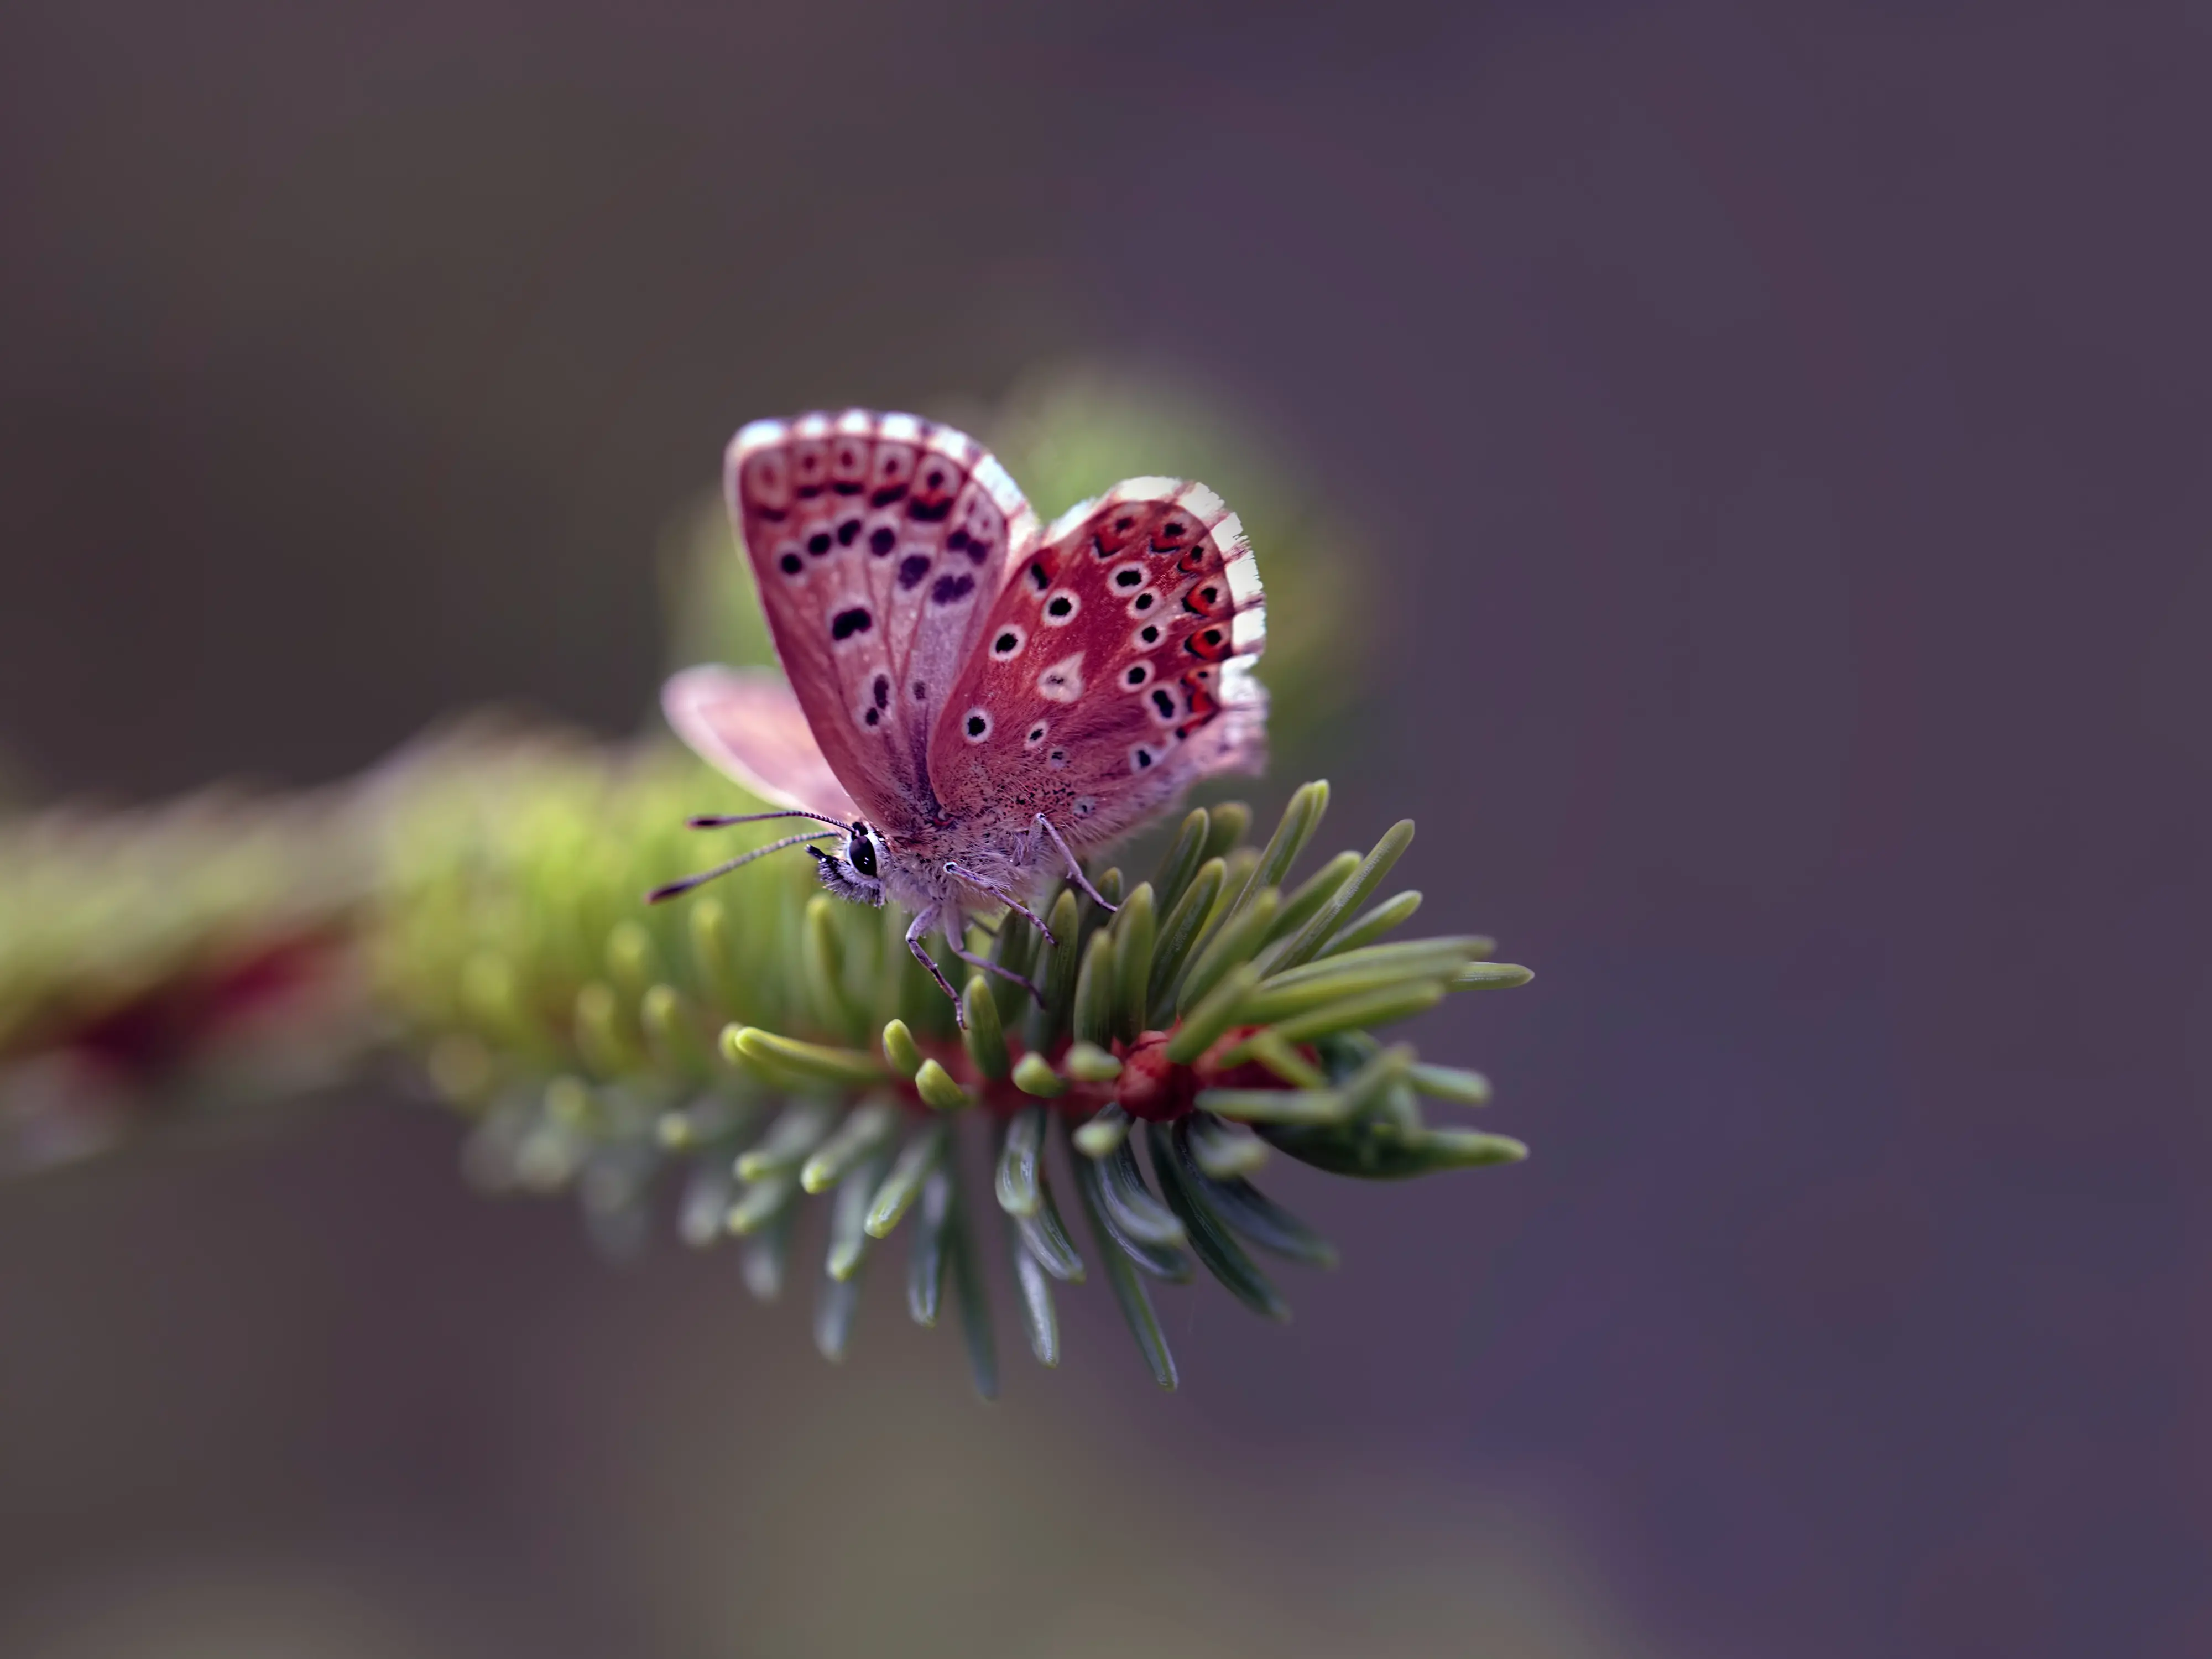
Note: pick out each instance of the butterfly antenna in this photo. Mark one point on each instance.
(714, 822)
(705, 876)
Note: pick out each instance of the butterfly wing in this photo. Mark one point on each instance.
(746, 722)
(1115, 669)
(878, 542)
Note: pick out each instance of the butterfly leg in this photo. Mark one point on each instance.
(923, 922)
(1074, 870)
(993, 889)
(990, 967)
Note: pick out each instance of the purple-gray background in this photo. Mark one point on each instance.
(1782, 433)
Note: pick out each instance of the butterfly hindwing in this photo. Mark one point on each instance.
(747, 724)
(877, 542)
(1115, 669)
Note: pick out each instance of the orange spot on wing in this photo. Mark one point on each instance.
(1210, 643)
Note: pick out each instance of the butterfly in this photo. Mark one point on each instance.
(970, 700)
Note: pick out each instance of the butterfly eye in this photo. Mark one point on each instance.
(860, 851)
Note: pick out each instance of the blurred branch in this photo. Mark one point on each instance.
(477, 905)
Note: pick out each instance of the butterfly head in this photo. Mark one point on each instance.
(858, 873)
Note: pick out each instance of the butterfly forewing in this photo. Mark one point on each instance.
(877, 542)
(1113, 670)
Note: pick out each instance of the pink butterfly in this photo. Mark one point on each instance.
(972, 702)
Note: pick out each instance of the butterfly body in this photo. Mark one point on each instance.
(981, 699)
(872, 867)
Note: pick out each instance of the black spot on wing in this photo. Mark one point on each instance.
(818, 542)
(789, 564)
(887, 494)
(881, 540)
(882, 690)
(847, 530)
(847, 623)
(949, 590)
(912, 570)
(923, 512)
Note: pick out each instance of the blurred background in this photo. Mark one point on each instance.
(1772, 448)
